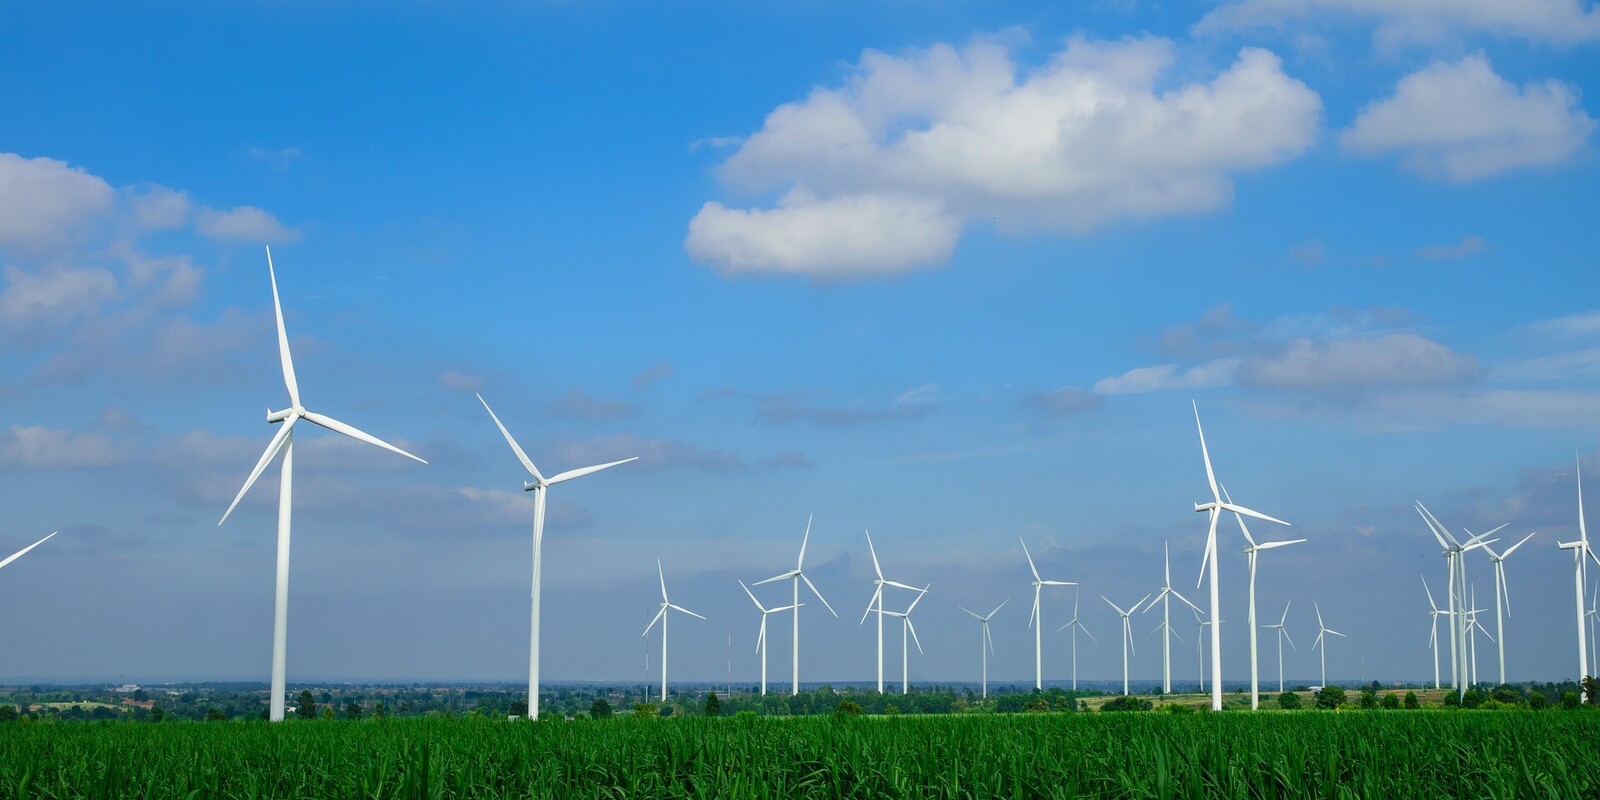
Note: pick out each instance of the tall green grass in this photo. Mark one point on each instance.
(1385, 755)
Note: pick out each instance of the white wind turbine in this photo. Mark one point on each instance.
(1502, 598)
(1580, 574)
(538, 486)
(761, 638)
(1322, 641)
(661, 616)
(1076, 626)
(1594, 616)
(1215, 507)
(795, 576)
(1250, 552)
(907, 628)
(1127, 634)
(1036, 621)
(283, 443)
(876, 603)
(1455, 559)
(1200, 646)
(1433, 624)
(1474, 627)
(24, 551)
(986, 642)
(1283, 633)
(1164, 597)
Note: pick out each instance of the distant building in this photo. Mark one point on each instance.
(126, 688)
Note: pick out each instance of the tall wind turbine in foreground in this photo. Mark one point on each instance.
(1283, 633)
(761, 638)
(1250, 551)
(1127, 634)
(24, 551)
(905, 628)
(1076, 626)
(1580, 574)
(1433, 636)
(661, 616)
(986, 642)
(795, 576)
(1036, 621)
(876, 603)
(1164, 597)
(283, 442)
(1502, 598)
(1215, 507)
(539, 485)
(1322, 641)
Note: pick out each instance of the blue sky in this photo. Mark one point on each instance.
(951, 272)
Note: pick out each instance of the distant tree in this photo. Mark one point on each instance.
(1411, 700)
(893, 710)
(214, 715)
(327, 712)
(846, 709)
(519, 708)
(1369, 699)
(8, 713)
(1330, 697)
(1037, 705)
(352, 710)
(1127, 703)
(307, 709)
(1472, 699)
(1391, 701)
(157, 713)
(1288, 701)
(646, 710)
(141, 695)
(378, 711)
(713, 705)
(1591, 689)
(600, 709)
(1537, 701)
(1375, 687)
(1569, 699)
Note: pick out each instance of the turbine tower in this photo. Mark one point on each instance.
(761, 638)
(1250, 551)
(1322, 641)
(538, 486)
(876, 603)
(661, 616)
(1580, 575)
(1283, 633)
(1164, 597)
(24, 551)
(1433, 624)
(795, 576)
(1214, 508)
(1036, 621)
(1127, 635)
(282, 442)
(986, 642)
(1502, 598)
(1076, 626)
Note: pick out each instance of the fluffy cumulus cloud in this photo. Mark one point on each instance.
(879, 175)
(34, 446)
(1396, 359)
(56, 295)
(1461, 121)
(244, 223)
(1170, 376)
(44, 201)
(1554, 21)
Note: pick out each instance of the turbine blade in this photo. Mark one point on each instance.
(1285, 543)
(899, 585)
(1030, 559)
(1087, 633)
(1174, 593)
(988, 638)
(870, 603)
(527, 463)
(1140, 603)
(273, 447)
(1211, 476)
(1422, 512)
(813, 588)
(910, 626)
(1059, 583)
(1505, 591)
(918, 599)
(1319, 615)
(754, 600)
(663, 577)
(284, 358)
(582, 471)
(1210, 549)
(1242, 529)
(876, 567)
(1439, 528)
(1430, 594)
(1003, 605)
(1033, 616)
(355, 433)
(654, 620)
(1237, 509)
(1285, 618)
(684, 610)
(800, 562)
(970, 613)
(1514, 547)
(1113, 605)
(1285, 632)
(1336, 633)
(24, 551)
(785, 576)
(761, 637)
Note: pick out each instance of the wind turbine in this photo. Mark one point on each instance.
(761, 638)
(1164, 597)
(986, 642)
(1250, 551)
(1474, 627)
(1502, 598)
(1283, 633)
(539, 485)
(1036, 621)
(905, 628)
(1215, 507)
(1075, 625)
(876, 603)
(1455, 558)
(1580, 574)
(1433, 623)
(1127, 634)
(795, 576)
(24, 551)
(1322, 631)
(661, 616)
(282, 442)
(1594, 616)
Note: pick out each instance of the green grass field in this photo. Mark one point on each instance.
(1388, 755)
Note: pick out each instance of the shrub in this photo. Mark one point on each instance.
(1369, 699)
(1178, 708)
(8, 712)
(1538, 701)
(1591, 689)
(1569, 699)
(1330, 697)
(1127, 703)
(646, 710)
(600, 709)
(1037, 705)
(1288, 701)
(1411, 700)
(1472, 699)
(713, 705)
(846, 709)
(1391, 701)
(213, 715)
(1452, 700)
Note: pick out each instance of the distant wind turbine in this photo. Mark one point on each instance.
(986, 642)
(1127, 634)
(1322, 642)
(1251, 550)
(795, 576)
(1433, 636)
(1035, 620)
(1474, 627)
(761, 638)
(1164, 597)
(1502, 598)
(906, 627)
(876, 603)
(283, 443)
(1076, 626)
(1283, 633)
(661, 616)
(1455, 558)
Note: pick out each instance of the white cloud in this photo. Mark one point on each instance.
(1396, 359)
(54, 296)
(1586, 323)
(154, 207)
(44, 201)
(881, 173)
(244, 223)
(1463, 122)
(1555, 21)
(37, 446)
(1469, 245)
(1169, 376)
